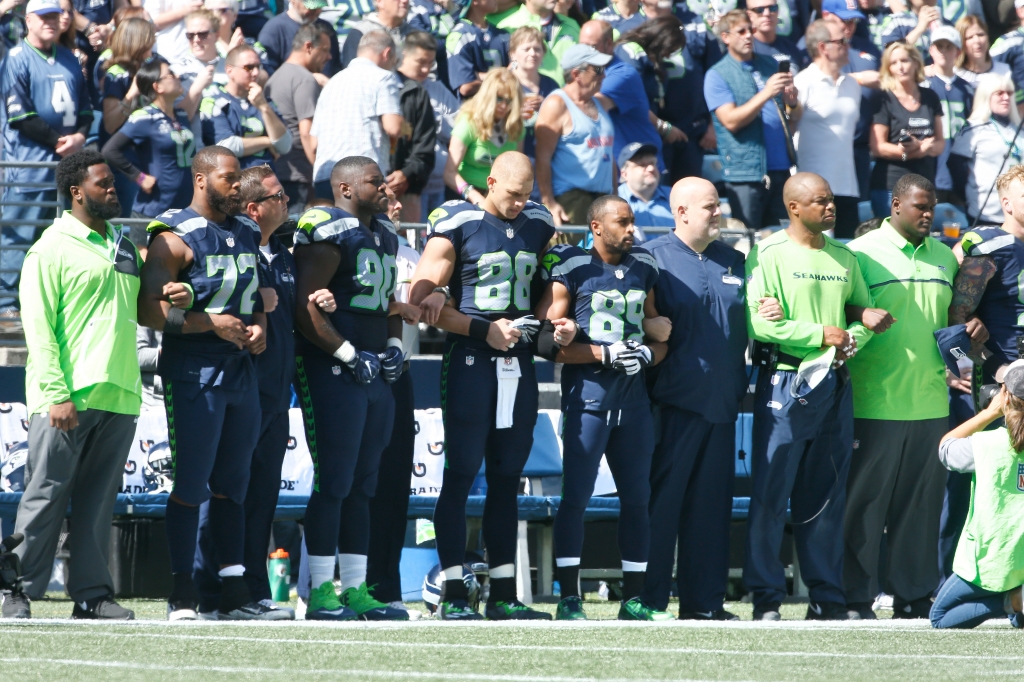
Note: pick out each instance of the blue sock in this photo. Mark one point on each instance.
(182, 523)
(227, 527)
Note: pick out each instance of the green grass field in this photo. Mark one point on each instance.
(427, 649)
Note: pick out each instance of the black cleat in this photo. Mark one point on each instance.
(862, 609)
(718, 614)
(183, 604)
(101, 608)
(829, 610)
(769, 611)
(919, 608)
(16, 605)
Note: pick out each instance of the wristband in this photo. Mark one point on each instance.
(395, 342)
(478, 329)
(461, 186)
(192, 295)
(346, 353)
(175, 321)
(142, 178)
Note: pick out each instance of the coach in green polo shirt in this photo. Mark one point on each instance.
(900, 407)
(79, 288)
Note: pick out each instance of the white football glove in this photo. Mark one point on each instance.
(629, 357)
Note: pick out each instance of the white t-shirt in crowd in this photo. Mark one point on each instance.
(828, 124)
(171, 43)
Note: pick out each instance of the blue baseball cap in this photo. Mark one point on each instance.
(953, 342)
(844, 9)
(633, 149)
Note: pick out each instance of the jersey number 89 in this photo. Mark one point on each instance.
(500, 285)
(610, 312)
(377, 273)
(220, 300)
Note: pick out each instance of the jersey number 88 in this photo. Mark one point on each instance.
(499, 284)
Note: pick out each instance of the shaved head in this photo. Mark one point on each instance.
(597, 34)
(802, 186)
(512, 167)
(696, 212)
(810, 203)
(688, 189)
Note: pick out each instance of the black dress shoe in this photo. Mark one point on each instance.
(101, 608)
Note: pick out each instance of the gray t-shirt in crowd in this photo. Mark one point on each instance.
(294, 91)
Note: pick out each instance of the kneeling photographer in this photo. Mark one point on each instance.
(988, 570)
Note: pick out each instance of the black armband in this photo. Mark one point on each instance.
(544, 345)
(175, 321)
(478, 329)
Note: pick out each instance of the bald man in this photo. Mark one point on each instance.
(345, 361)
(803, 406)
(698, 388)
(478, 280)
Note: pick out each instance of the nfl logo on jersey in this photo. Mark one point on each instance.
(619, 274)
(470, 360)
(230, 241)
(1020, 477)
(336, 370)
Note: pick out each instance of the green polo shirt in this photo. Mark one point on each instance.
(79, 296)
(812, 285)
(900, 374)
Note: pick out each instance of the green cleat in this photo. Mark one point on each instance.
(366, 607)
(634, 609)
(457, 609)
(570, 608)
(514, 610)
(324, 605)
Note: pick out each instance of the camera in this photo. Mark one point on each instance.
(10, 564)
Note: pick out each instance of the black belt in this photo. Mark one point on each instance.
(787, 359)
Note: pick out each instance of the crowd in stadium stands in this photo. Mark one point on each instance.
(832, 129)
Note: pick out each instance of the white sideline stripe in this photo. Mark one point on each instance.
(348, 672)
(532, 647)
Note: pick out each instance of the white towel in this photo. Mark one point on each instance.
(508, 384)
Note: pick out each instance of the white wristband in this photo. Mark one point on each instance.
(346, 353)
(395, 342)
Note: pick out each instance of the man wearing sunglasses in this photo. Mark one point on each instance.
(764, 18)
(751, 102)
(239, 117)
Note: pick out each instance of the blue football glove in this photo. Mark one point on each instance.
(365, 366)
(391, 362)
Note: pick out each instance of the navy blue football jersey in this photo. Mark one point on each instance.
(496, 262)
(225, 278)
(608, 305)
(366, 276)
(472, 51)
(224, 115)
(50, 86)
(1001, 308)
(164, 148)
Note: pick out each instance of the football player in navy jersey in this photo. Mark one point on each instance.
(345, 361)
(210, 392)
(987, 286)
(604, 399)
(484, 262)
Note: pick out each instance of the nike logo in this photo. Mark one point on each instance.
(705, 614)
(814, 607)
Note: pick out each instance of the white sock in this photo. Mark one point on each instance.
(231, 571)
(634, 566)
(321, 570)
(503, 571)
(562, 562)
(453, 573)
(351, 570)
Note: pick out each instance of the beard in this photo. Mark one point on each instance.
(104, 210)
(222, 202)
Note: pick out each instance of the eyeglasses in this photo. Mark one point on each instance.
(772, 9)
(503, 100)
(740, 31)
(202, 35)
(838, 41)
(254, 68)
(277, 196)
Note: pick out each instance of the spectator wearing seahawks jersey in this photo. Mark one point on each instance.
(48, 114)
(390, 17)
(203, 65)
(238, 116)
(904, 135)
(955, 96)
(162, 141)
(912, 26)
(277, 35)
(474, 47)
(621, 15)
(977, 152)
(764, 17)
(975, 60)
(1009, 49)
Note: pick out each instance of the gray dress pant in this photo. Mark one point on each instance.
(86, 467)
(897, 483)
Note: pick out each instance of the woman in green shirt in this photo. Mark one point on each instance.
(488, 125)
(988, 569)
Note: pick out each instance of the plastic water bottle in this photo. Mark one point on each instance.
(279, 570)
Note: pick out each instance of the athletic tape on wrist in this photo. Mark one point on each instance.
(175, 321)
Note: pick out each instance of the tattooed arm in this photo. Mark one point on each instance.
(968, 288)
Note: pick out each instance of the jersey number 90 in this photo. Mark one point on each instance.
(610, 311)
(499, 283)
(378, 273)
